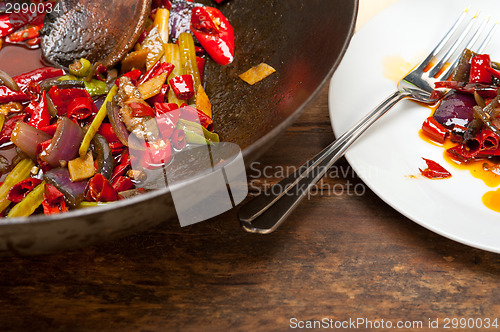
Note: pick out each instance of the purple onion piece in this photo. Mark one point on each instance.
(27, 138)
(455, 109)
(65, 143)
(180, 18)
(74, 192)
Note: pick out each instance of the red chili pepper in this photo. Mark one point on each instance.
(182, 85)
(13, 21)
(178, 139)
(53, 200)
(101, 72)
(34, 41)
(100, 190)
(116, 147)
(160, 97)
(489, 140)
(37, 75)
(81, 108)
(133, 75)
(199, 51)
(24, 81)
(156, 155)
(22, 189)
(40, 116)
(9, 125)
(166, 119)
(44, 166)
(434, 129)
(123, 164)
(141, 109)
(214, 32)
(434, 170)
(62, 98)
(107, 131)
(122, 183)
(195, 115)
(157, 69)
(478, 71)
(162, 108)
(22, 35)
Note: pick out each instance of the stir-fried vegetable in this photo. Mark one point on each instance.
(75, 134)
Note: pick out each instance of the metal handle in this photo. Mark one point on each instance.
(265, 213)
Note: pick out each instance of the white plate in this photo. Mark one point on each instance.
(390, 151)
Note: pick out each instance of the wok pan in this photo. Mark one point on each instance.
(303, 40)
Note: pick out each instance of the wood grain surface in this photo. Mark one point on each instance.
(339, 256)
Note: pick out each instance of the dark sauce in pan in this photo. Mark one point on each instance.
(15, 60)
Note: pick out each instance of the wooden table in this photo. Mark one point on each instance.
(343, 255)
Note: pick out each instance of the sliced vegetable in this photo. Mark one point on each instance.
(257, 73)
(96, 122)
(478, 71)
(161, 21)
(435, 130)
(182, 86)
(20, 172)
(154, 44)
(81, 168)
(73, 191)
(214, 32)
(53, 200)
(65, 143)
(196, 133)
(152, 87)
(29, 204)
(203, 102)
(80, 68)
(27, 138)
(434, 170)
(99, 189)
(188, 59)
(104, 156)
(21, 189)
(172, 55)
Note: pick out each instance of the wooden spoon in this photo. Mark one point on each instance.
(98, 30)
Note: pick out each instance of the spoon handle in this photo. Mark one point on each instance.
(265, 213)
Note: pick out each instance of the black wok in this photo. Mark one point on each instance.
(303, 39)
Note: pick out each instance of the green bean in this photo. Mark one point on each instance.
(19, 173)
(29, 204)
(96, 123)
(80, 68)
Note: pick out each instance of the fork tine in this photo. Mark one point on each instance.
(443, 41)
(470, 45)
(485, 42)
(454, 47)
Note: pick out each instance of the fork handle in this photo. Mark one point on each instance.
(266, 212)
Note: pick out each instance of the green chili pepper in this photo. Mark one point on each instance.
(94, 87)
(80, 68)
(196, 133)
(30, 203)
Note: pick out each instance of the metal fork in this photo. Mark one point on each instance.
(265, 213)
